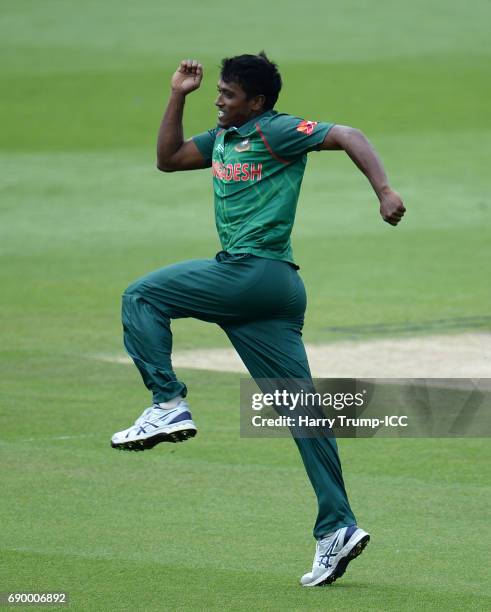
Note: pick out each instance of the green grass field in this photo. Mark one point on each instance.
(221, 522)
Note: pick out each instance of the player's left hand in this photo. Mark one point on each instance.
(391, 207)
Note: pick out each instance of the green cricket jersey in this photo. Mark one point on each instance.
(257, 172)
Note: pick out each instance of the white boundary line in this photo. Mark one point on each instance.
(47, 438)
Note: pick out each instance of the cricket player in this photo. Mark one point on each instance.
(251, 288)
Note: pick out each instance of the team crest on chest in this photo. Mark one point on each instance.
(244, 145)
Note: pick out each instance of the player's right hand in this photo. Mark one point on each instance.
(187, 77)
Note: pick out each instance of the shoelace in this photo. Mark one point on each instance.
(144, 415)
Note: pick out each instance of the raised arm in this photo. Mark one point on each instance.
(173, 152)
(362, 153)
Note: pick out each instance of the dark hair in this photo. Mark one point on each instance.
(256, 74)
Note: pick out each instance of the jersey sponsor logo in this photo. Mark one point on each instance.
(236, 172)
(245, 145)
(307, 127)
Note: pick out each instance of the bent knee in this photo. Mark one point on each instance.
(136, 289)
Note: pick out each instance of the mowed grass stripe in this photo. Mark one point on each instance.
(209, 511)
(123, 585)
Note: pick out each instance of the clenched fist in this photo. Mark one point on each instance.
(391, 207)
(187, 77)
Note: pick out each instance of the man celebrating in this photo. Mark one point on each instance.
(251, 288)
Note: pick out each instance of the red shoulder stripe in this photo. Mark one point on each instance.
(267, 145)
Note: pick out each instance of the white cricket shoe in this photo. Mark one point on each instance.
(333, 553)
(155, 425)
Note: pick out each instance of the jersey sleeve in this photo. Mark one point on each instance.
(205, 143)
(291, 137)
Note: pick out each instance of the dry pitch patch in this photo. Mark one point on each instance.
(455, 356)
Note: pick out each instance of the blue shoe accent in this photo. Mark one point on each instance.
(184, 416)
(349, 532)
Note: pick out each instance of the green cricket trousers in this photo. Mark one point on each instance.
(260, 304)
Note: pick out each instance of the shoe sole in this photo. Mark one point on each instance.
(148, 443)
(343, 563)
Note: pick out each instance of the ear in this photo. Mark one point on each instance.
(257, 102)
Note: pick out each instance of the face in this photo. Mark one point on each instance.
(233, 106)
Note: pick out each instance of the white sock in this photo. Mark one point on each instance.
(172, 403)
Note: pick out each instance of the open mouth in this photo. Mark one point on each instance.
(221, 114)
